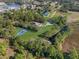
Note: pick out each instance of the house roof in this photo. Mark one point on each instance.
(36, 3)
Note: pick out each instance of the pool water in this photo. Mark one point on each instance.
(21, 32)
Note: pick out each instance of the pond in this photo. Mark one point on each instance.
(21, 32)
(45, 13)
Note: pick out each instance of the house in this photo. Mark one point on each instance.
(37, 24)
(3, 7)
(28, 6)
(42, 3)
(25, 6)
(24, 1)
(36, 3)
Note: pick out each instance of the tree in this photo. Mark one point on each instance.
(19, 56)
(74, 54)
(52, 52)
(39, 49)
(9, 29)
(3, 47)
(30, 15)
(29, 55)
(39, 18)
(60, 55)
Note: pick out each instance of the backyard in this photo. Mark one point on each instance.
(32, 35)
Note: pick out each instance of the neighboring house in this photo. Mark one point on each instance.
(28, 6)
(3, 7)
(36, 3)
(25, 6)
(40, 3)
(37, 24)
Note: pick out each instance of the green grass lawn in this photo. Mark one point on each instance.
(33, 35)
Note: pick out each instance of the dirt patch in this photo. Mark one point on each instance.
(70, 42)
(2, 40)
(73, 39)
(9, 51)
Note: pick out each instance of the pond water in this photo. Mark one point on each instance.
(46, 13)
(21, 32)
